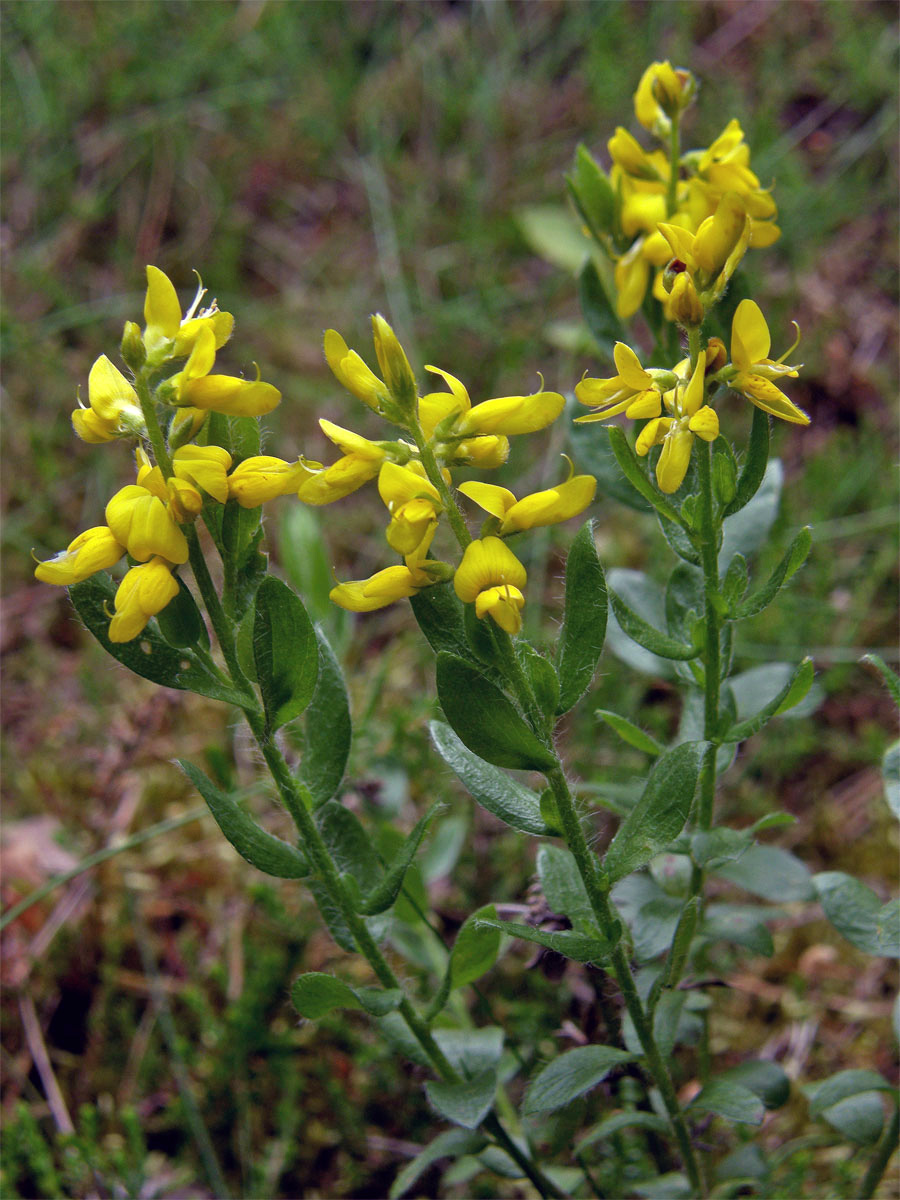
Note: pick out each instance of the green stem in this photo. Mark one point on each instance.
(433, 471)
(881, 1158)
(674, 165)
(712, 664)
(296, 800)
(609, 927)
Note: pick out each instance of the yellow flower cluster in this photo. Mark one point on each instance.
(414, 479)
(144, 519)
(709, 197)
(642, 393)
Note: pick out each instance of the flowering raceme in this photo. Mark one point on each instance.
(627, 210)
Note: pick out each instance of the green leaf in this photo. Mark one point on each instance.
(314, 995)
(181, 622)
(570, 1076)
(445, 847)
(304, 559)
(333, 918)
(850, 1102)
(635, 1119)
(713, 847)
(890, 771)
(149, 655)
(349, 845)
(590, 188)
(452, 1143)
(731, 1100)
(327, 728)
(465, 1102)
(441, 617)
(564, 888)
(471, 1051)
(684, 601)
(250, 564)
(740, 924)
(679, 541)
(577, 946)
(584, 621)
(735, 582)
(630, 732)
(789, 565)
(790, 695)
(475, 949)
(634, 473)
(747, 529)
(494, 790)
(285, 651)
(553, 232)
(754, 465)
(660, 814)
(646, 635)
(891, 679)
(385, 893)
(887, 924)
(841, 1086)
(598, 311)
(770, 872)
(485, 720)
(542, 678)
(856, 912)
(262, 850)
(681, 942)
(765, 1079)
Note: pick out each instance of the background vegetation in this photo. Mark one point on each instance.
(318, 162)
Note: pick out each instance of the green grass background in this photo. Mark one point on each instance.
(317, 162)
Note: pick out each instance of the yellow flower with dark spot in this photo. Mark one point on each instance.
(143, 592)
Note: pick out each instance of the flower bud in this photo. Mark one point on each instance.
(134, 352)
(394, 365)
(684, 303)
(716, 355)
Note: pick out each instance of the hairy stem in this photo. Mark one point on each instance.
(881, 1158)
(608, 923)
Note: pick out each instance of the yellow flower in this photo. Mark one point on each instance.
(114, 409)
(485, 452)
(261, 478)
(206, 467)
(167, 333)
(549, 507)
(435, 407)
(634, 390)
(755, 371)
(627, 153)
(414, 504)
(350, 370)
(691, 417)
(662, 92)
(183, 500)
(511, 415)
(92, 551)
(143, 592)
(712, 254)
(725, 166)
(140, 521)
(383, 588)
(196, 388)
(491, 577)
